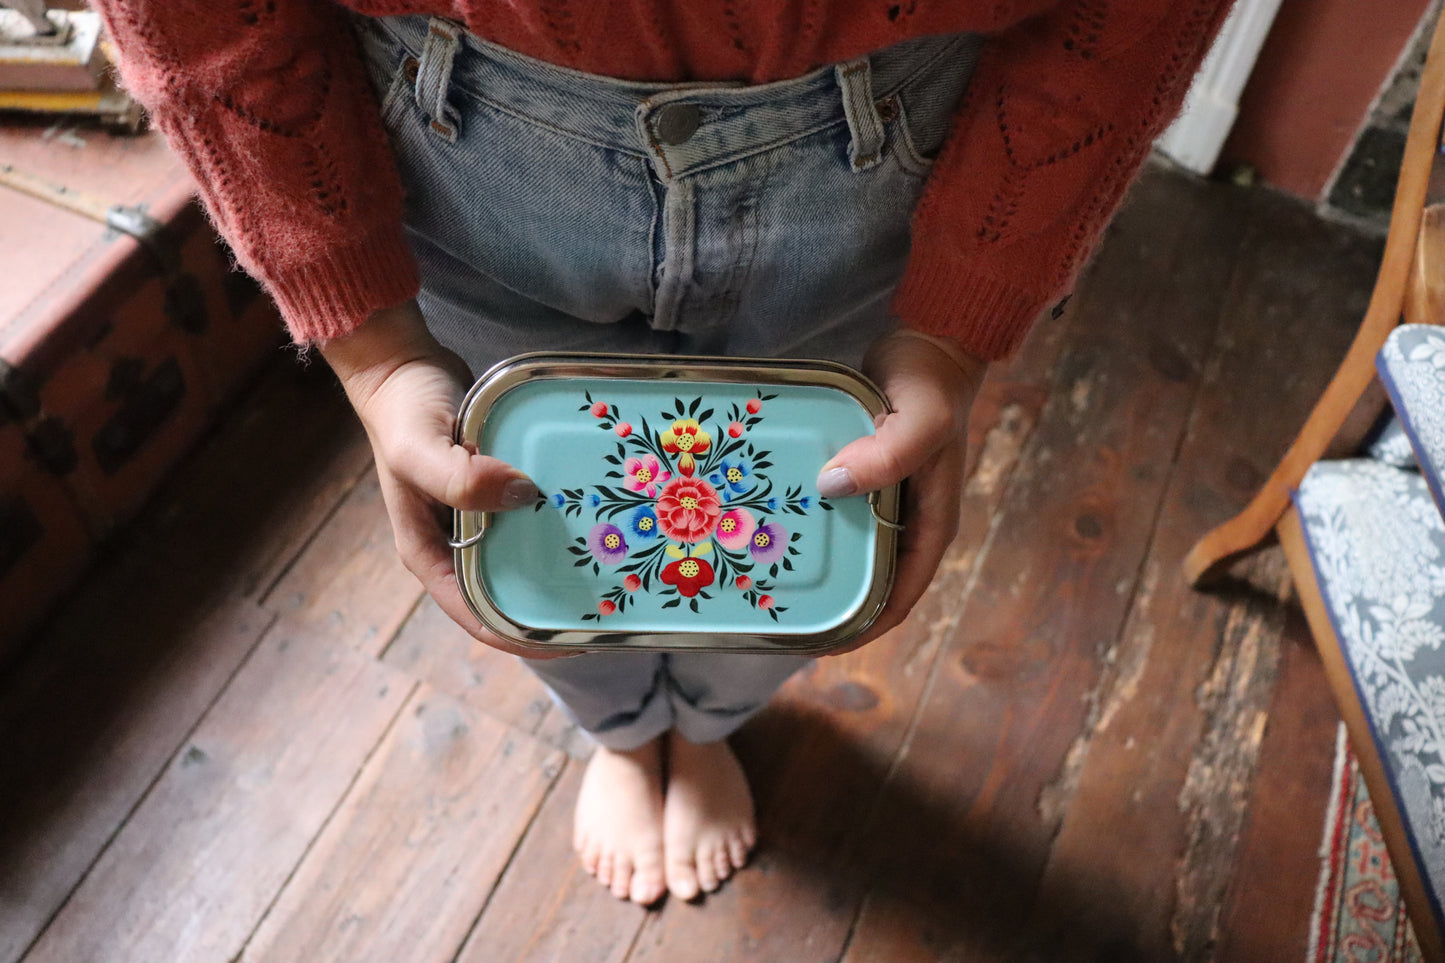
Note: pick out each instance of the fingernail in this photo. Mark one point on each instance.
(836, 482)
(519, 492)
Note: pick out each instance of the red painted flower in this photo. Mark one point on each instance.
(690, 575)
(754, 406)
(744, 582)
(688, 510)
(632, 583)
(623, 429)
(606, 607)
(735, 430)
(765, 601)
(599, 409)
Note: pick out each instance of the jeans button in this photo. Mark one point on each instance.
(676, 123)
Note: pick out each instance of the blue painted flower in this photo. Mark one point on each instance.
(731, 477)
(559, 500)
(805, 502)
(594, 500)
(644, 522)
(769, 542)
(607, 544)
(734, 474)
(772, 504)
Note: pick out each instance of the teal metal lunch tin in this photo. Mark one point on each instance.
(678, 508)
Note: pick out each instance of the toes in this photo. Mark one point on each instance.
(604, 870)
(706, 869)
(590, 854)
(739, 846)
(621, 884)
(722, 863)
(647, 885)
(648, 880)
(682, 879)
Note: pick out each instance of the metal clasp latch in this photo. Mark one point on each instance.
(873, 507)
(470, 540)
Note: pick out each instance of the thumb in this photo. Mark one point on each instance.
(458, 477)
(905, 441)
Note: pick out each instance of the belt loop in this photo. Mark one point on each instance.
(434, 77)
(855, 78)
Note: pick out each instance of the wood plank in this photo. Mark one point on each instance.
(431, 647)
(351, 566)
(1266, 911)
(193, 869)
(113, 683)
(411, 857)
(347, 590)
(1156, 785)
(1011, 692)
(546, 906)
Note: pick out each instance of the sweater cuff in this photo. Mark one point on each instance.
(940, 295)
(329, 298)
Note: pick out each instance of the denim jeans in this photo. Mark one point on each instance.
(554, 210)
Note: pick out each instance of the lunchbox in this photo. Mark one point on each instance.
(678, 507)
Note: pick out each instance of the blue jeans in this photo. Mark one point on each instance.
(554, 210)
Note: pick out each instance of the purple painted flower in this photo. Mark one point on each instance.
(607, 544)
(769, 542)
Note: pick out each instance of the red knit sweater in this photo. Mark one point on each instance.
(268, 103)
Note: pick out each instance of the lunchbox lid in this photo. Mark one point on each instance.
(677, 507)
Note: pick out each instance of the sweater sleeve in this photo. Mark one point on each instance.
(1058, 119)
(269, 105)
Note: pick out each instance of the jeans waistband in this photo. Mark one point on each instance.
(683, 128)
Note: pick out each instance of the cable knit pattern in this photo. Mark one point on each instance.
(267, 102)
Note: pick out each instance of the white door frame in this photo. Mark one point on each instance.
(1197, 134)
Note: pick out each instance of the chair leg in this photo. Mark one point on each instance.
(1392, 826)
(1219, 548)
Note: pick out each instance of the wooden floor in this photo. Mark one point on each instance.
(249, 737)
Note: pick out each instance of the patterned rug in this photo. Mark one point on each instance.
(1358, 915)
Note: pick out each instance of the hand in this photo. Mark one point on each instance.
(930, 384)
(406, 388)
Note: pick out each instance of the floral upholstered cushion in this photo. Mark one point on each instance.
(1389, 445)
(1412, 367)
(1377, 542)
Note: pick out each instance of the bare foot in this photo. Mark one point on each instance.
(708, 827)
(618, 827)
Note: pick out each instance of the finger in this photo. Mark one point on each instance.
(455, 476)
(410, 421)
(932, 517)
(922, 423)
(424, 551)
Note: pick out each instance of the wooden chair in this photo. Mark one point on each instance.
(1411, 285)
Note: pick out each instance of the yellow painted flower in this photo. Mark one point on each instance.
(686, 439)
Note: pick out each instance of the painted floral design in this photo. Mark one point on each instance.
(690, 575)
(735, 529)
(686, 439)
(644, 474)
(607, 544)
(689, 509)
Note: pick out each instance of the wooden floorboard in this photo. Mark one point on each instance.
(1170, 751)
(109, 688)
(991, 750)
(1265, 913)
(264, 743)
(410, 859)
